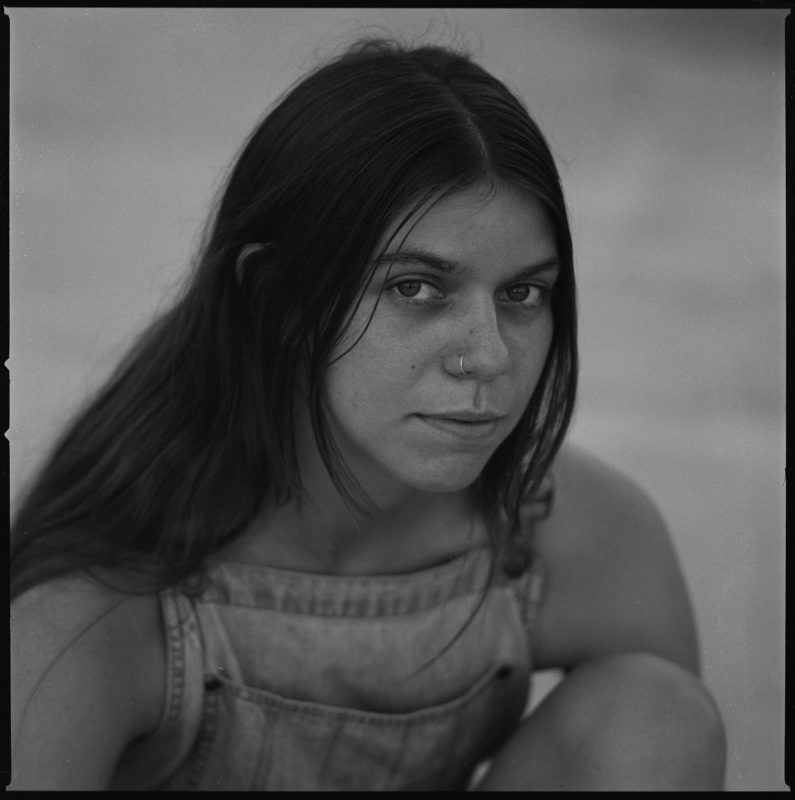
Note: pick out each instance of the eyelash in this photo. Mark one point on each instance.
(543, 293)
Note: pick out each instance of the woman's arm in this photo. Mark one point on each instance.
(630, 712)
(87, 677)
(614, 581)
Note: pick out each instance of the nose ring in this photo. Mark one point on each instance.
(461, 365)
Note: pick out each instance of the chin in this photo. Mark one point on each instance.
(449, 474)
(443, 481)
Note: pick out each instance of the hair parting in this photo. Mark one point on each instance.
(195, 430)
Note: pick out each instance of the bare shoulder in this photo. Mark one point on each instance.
(87, 677)
(590, 490)
(614, 579)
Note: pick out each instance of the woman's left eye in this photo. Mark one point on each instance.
(528, 294)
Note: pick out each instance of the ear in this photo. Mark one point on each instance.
(246, 259)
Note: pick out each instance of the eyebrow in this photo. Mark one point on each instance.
(453, 267)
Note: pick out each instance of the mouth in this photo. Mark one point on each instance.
(465, 425)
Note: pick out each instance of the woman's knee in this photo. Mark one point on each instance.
(630, 721)
(646, 719)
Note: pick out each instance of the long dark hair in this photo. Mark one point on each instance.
(171, 459)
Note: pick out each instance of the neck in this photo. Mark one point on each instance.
(322, 534)
(403, 528)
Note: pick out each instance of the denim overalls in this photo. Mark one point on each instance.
(280, 680)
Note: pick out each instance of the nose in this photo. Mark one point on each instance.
(486, 354)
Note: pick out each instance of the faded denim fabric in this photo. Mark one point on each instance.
(280, 680)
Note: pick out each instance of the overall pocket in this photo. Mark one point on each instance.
(253, 739)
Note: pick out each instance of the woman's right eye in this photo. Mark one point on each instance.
(416, 290)
(409, 288)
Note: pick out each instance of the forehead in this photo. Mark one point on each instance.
(476, 224)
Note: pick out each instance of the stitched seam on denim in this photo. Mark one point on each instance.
(282, 586)
(359, 598)
(262, 697)
(200, 752)
(175, 659)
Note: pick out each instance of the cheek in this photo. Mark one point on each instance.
(371, 378)
(381, 359)
(531, 351)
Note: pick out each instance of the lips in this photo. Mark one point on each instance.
(467, 416)
(467, 425)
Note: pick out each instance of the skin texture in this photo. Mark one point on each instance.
(406, 361)
(399, 364)
(88, 663)
(614, 581)
(629, 642)
(631, 712)
(88, 669)
(624, 722)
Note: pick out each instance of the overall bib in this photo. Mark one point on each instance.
(280, 680)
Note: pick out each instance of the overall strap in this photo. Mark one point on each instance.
(520, 560)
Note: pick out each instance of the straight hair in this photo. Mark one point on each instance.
(194, 430)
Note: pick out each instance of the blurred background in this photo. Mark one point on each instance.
(668, 126)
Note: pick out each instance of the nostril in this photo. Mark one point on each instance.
(504, 672)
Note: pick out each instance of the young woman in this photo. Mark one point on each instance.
(319, 527)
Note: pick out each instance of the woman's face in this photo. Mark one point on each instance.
(472, 278)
